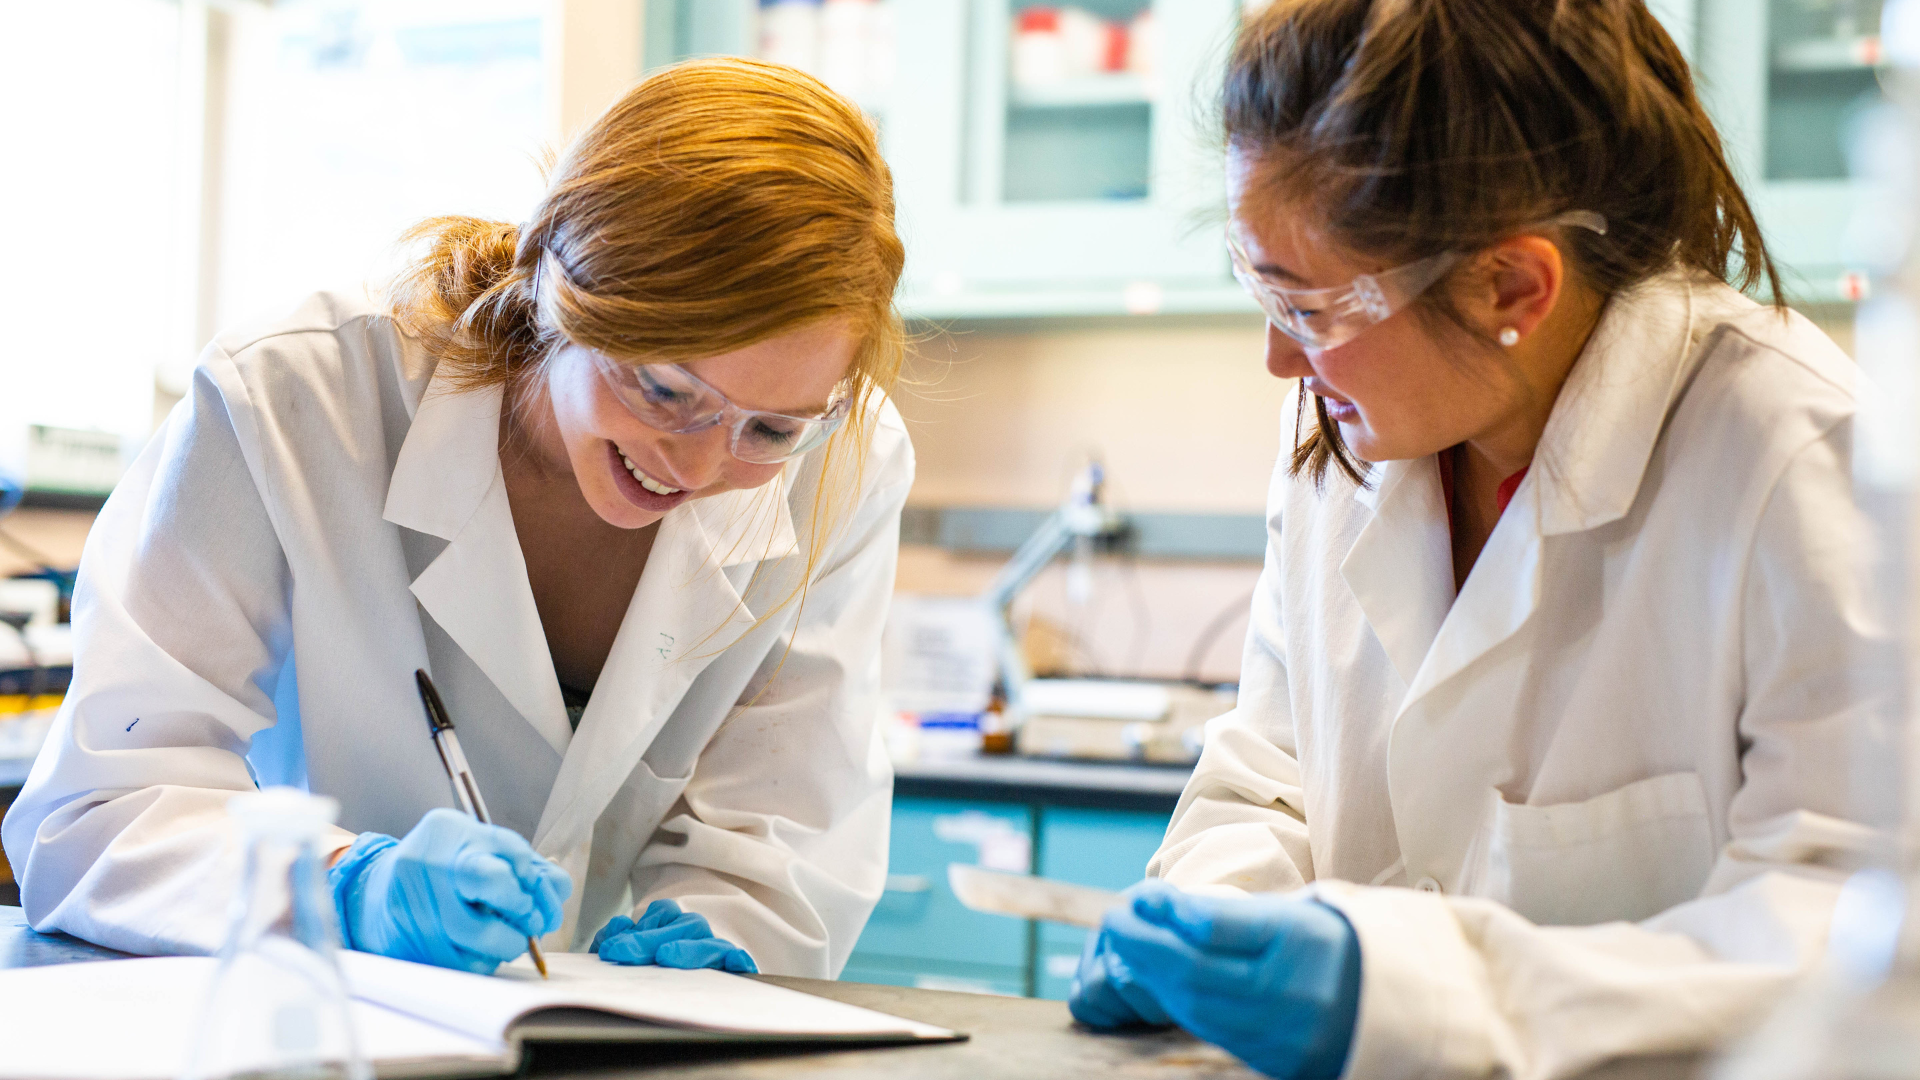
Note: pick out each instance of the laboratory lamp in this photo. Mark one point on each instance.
(1081, 520)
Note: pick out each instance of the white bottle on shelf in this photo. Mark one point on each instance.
(790, 33)
(845, 38)
(1037, 58)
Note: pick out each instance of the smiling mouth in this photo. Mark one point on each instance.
(646, 481)
(640, 489)
(1325, 394)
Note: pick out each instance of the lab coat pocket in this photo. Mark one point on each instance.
(1628, 854)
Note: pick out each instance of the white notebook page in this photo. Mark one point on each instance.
(135, 1020)
(708, 1000)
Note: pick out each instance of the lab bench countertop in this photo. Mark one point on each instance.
(1112, 785)
(1010, 1038)
(13, 771)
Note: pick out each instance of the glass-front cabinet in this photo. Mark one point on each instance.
(1082, 180)
(1061, 158)
(1050, 159)
(1794, 85)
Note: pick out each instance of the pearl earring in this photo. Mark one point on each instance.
(1509, 337)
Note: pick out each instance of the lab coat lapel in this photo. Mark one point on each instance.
(1445, 755)
(695, 598)
(1400, 568)
(1499, 596)
(1587, 470)
(447, 483)
(1615, 403)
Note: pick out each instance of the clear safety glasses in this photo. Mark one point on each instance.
(669, 398)
(1323, 319)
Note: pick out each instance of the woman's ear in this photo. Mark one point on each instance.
(1524, 279)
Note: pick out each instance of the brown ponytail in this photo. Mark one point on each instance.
(1415, 127)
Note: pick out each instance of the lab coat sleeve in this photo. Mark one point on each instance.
(780, 838)
(1241, 824)
(1466, 987)
(181, 622)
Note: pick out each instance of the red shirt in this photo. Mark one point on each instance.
(1502, 495)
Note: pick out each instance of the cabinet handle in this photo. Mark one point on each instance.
(908, 883)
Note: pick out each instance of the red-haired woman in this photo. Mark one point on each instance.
(1547, 700)
(624, 479)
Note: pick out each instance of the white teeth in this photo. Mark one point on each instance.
(648, 482)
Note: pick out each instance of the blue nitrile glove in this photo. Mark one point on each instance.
(1104, 992)
(454, 893)
(671, 938)
(1274, 980)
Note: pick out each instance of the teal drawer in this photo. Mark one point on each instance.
(918, 918)
(937, 975)
(1055, 965)
(1107, 849)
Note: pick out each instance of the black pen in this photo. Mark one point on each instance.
(464, 787)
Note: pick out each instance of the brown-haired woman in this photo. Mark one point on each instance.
(1556, 620)
(624, 479)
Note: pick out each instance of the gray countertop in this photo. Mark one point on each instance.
(1052, 773)
(13, 771)
(1110, 785)
(1010, 1039)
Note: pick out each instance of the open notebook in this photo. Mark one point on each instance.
(133, 1019)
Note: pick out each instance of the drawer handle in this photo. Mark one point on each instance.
(909, 883)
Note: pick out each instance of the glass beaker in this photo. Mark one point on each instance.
(278, 1006)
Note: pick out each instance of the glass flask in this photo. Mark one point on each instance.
(277, 1006)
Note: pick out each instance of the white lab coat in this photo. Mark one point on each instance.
(319, 517)
(1611, 778)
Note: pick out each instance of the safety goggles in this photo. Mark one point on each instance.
(669, 398)
(1322, 319)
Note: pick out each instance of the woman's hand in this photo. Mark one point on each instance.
(1273, 979)
(672, 938)
(1106, 995)
(454, 893)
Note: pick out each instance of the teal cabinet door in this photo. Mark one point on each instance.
(938, 975)
(1107, 849)
(919, 934)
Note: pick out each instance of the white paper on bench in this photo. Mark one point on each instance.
(709, 1000)
(134, 1019)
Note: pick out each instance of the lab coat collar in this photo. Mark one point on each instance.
(1607, 418)
(1400, 567)
(1609, 414)
(1587, 472)
(698, 596)
(746, 527)
(450, 458)
(447, 482)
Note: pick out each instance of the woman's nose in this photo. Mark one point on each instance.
(1286, 359)
(698, 458)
